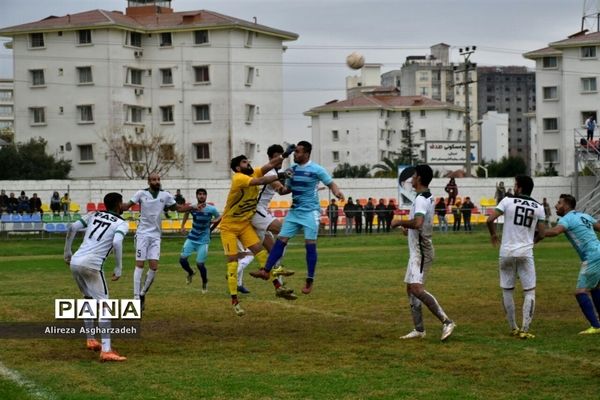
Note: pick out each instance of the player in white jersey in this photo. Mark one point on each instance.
(104, 231)
(152, 201)
(420, 246)
(522, 217)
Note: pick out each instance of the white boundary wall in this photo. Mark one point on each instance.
(84, 191)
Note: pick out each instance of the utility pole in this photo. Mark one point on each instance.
(466, 53)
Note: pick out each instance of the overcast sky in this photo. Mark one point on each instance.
(385, 31)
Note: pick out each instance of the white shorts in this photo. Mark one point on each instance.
(510, 267)
(91, 282)
(147, 248)
(261, 221)
(417, 269)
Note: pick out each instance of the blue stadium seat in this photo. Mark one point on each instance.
(50, 228)
(61, 228)
(15, 218)
(6, 218)
(26, 218)
(36, 218)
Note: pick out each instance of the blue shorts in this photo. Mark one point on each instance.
(296, 220)
(200, 248)
(589, 274)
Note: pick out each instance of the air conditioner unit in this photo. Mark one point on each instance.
(139, 92)
(138, 53)
(139, 129)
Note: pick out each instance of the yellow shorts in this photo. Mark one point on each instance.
(242, 231)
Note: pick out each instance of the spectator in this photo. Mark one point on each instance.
(547, 210)
(369, 215)
(179, 199)
(590, 125)
(440, 210)
(55, 203)
(456, 213)
(13, 203)
(500, 192)
(332, 213)
(358, 215)
(349, 213)
(65, 203)
(467, 210)
(23, 203)
(509, 193)
(381, 215)
(389, 215)
(452, 190)
(3, 202)
(35, 204)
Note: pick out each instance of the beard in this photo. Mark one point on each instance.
(155, 188)
(247, 171)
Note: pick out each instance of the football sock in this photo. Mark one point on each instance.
(596, 299)
(203, 272)
(232, 268)
(89, 326)
(185, 264)
(148, 282)
(275, 254)
(585, 303)
(137, 281)
(416, 311)
(528, 308)
(242, 264)
(509, 307)
(105, 324)
(430, 301)
(311, 259)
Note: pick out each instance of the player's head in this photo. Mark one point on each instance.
(566, 203)
(241, 164)
(113, 201)
(422, 177)
(154, 181)
(201, 195)
(274, 150)
(523, 185)
(302, 152)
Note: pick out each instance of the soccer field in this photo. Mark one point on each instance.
(340, 342)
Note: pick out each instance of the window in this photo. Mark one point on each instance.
(6, 111)
(134, 39)
(85, 114)
(250, 110)
(86, 152)
(404, 133)
(449, 134)
(37, 115)
(550, 124)
(588, 84)
(201, 36)
(381, 134)
(423, 133)
(134, 76)
(201, 113)
(335, 136)
(249, 39)
(550, 93)
(335, 115)
(166, 39)
(36, 40)
(167, 152)
(550, 62)
(6, 95)
(37, 77)
(249, 76)
(84, 36)
(249, 150)
(136, 153)
(588, 52)
(85, 75)
(335, 155)
(551, 156)
(423, 114)
(424, 91)
(166, 75)
(135, 114)
(201, 74)
(423, 76)
(166, 114)
(202, 151)
(448, 114)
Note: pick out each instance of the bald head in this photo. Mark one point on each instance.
(154, 181)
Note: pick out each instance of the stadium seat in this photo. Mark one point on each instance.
(61, 228)
(57, 218)
(176, 225)
(45, 208)
(74, 207)
(274, 204)
(6, 218)
(50, 228)
(101, 207)
(26, 218)
(90, 207)
(362, 202)
(188, 224)
(132, 226)
(278, 213)
(166, 225)
(284, 204)
(47, 217)
(481, 219)
(324, 202)
(36, 217)
(136, 207)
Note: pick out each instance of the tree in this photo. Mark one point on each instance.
(30, 161)
(506, 167)
(346, 170)
(388, 168)
(141, 152)
(407, 154)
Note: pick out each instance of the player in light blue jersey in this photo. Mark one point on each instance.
(580, 228)
(204, 218)
(305, 211)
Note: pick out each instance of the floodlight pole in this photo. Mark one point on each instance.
(466, 53)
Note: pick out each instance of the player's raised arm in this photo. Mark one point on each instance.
(555, 231)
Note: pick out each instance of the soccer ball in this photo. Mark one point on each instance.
(355, 60)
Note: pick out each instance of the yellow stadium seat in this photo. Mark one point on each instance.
(324, 202)
(166, 225)
(45, 208)
(274, 204)
(188, 224)
(132, 226)
(176, 225)
(481, 219)
(284, 204)
(74, 207)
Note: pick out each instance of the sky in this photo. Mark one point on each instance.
(384, 31)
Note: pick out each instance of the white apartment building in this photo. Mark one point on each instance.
(494, 136)
(566, 95)
(366, 128)
(209, 83)
(7, 113)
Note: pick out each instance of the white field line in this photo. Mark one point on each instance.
(31, 388)
(326, 313)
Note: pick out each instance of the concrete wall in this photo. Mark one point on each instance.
(84, 191)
